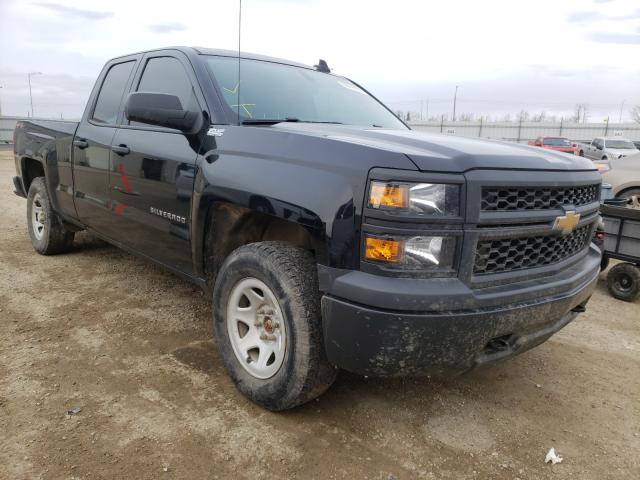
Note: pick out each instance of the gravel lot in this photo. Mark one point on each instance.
(131, 346)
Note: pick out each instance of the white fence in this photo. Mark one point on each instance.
(7, 124)
(524, 131)
(514, 131)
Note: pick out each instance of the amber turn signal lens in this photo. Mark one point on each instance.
(384, 195)
(381, 249)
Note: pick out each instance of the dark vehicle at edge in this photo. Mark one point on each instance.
(328, 233)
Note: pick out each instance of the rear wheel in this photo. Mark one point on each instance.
(623, 282)
(46, 230)
(268, 325)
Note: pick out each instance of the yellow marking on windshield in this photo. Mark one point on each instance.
(235, 89)
(244, 107)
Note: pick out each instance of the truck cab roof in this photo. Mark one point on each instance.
(223, 53)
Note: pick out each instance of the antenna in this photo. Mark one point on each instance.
(322, 66)
(239, 36)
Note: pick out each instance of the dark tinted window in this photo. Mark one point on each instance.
(557, 142)
(110, 95)
(167, 75)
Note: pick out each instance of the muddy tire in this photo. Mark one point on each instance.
(46, 230)
(268, 325)
(623, 282)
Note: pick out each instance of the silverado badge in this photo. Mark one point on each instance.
(566, 223)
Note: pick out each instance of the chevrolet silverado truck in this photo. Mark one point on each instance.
(328, 233)
(606, 148)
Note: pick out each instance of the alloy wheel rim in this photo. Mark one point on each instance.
(38, 217)
(256, 328)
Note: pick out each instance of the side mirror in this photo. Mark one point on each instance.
(162, 110)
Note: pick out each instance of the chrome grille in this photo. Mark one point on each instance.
(508, 254)
(537, 198)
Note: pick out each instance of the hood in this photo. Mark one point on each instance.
(620, 151)
(560, 149)
(446, 153)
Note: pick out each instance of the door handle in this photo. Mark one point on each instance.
(124, 192)
(121, 150)
(81, 143)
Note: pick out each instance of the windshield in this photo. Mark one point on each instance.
(621, 144)
(557, 142)
(275, 91)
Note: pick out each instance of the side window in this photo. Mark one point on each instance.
(167, 75)
(110, 95)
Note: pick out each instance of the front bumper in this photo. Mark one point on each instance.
(387, 326)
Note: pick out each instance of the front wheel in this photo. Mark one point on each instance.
(268, 325)
(46, 230)
(632, 196)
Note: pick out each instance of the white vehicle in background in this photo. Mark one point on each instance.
(607, 148)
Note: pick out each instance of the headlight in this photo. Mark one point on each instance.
(432, 199)
(412, 253)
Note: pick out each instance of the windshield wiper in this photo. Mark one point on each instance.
(273, 121)
(268, 121)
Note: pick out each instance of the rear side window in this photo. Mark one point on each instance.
(110, 96)
(167, 75)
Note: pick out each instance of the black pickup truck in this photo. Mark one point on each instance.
(327, 232)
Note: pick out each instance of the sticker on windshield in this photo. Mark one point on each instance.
(350, 86)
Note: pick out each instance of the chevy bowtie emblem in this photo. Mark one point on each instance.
(567, 222)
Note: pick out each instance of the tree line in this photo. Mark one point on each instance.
(580, 114)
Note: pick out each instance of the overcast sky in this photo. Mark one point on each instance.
(505, 55)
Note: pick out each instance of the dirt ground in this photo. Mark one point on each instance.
(131, 346)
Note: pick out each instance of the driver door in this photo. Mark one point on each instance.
(153, 169)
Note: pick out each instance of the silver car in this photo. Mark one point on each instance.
(624, 176)
(608, 148)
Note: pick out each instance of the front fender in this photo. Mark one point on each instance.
(320, 202)
(313, 180)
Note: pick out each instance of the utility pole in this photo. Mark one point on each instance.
(29, 75)
(1, 103)
(621, 107)
(455, 97)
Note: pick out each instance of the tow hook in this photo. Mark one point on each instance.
(499, 344)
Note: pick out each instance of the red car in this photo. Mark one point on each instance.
(560, 144)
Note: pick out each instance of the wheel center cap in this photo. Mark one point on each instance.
(265, 317)
(268, 325)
